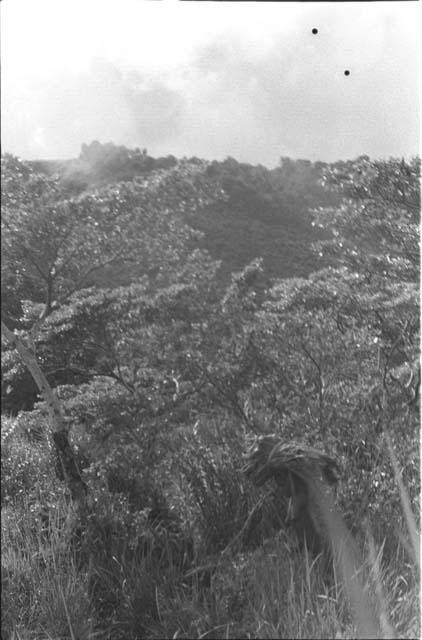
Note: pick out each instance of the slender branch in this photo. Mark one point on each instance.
(88, 272)
(69, 468)
(32, 260)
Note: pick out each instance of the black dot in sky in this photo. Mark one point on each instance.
(314, 31)
(347, 72)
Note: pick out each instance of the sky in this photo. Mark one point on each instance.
(211, 79)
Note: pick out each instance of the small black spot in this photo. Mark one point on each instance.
(314, 31)
(347, 72)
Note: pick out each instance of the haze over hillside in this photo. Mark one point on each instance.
(265, 214)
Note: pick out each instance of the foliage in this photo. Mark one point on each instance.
(55, 245)
(264, 212)
(165, 370)
(24, 460)
(376, 228)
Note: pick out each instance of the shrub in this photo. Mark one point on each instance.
(26, 463)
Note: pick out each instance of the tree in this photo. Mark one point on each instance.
(376, 235)
(376, 227)
(343, 345)
(53, 247)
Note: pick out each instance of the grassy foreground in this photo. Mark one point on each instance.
(59, 582)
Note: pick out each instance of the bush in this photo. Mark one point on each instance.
(26, 462)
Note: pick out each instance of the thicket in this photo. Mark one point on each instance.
(265, 212)
(164, 372)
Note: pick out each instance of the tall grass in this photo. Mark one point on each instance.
(118, 583)
(272, 592)
(44, 593)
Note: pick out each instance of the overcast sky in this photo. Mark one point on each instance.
(248, 80)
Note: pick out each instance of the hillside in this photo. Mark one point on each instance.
(265, 213)
(137, 371)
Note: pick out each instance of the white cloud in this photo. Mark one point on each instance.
(211, 79)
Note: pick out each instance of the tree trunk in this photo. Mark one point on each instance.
(69, 471)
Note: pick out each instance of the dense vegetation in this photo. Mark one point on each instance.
(176, 309)
(265, 213)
